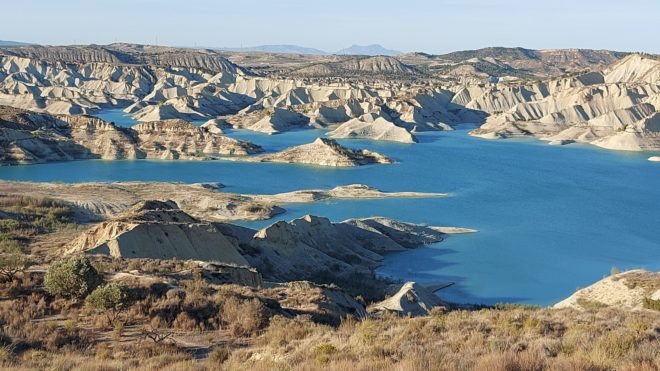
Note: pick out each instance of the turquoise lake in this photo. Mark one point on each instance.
(550, 219)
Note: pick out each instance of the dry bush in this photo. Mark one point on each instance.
(192, 311)
(218, 356)
(511, 361)
(244, 317)
(184, 321)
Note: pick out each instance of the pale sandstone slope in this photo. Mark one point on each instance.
(158, 230)
(623, 290)
(310, 245)
(614, 109)
(412, 299)
(377, 128)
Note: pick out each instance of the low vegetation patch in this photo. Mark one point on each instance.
(652, 304)
(72, 278)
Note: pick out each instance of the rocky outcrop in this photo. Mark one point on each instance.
(610, 108)
(214, 126)
(222, 273)
(309, 246)
(407, 235)
(28, 137)
(158, 230)
(323, 152)
(411, 299)
(627, 290)
(178, 139)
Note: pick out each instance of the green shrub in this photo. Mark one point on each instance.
(323, 351)
(8, 225)
(75, 277)
(652, 304)
(112, 298)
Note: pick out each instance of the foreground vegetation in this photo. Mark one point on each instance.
(228, 327)
(106, 314)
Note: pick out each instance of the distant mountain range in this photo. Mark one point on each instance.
(12, 43)
(373, 49)
(290, 49)
(370, 50)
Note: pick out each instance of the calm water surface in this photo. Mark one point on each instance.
(550, 219)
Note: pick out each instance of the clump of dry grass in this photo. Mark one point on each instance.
(244, 317)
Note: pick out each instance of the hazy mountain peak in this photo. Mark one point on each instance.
(280, 48)
(11, 43)
(373, 49)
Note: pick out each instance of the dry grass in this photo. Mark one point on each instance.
(489, 339)
(23, 219)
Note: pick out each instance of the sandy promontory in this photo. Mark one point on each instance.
(322, 152)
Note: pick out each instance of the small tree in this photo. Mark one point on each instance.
(112, 298)
(12, 260)
(75, 277)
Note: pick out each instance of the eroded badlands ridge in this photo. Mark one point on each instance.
(99, 201)
(613, 107)
(27, 137)
(284, 251)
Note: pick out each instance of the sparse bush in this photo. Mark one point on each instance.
(12, 259)
(283, 330)
(218, 356)
(322, 352)
(8, 225)
(75, 277)
(69, 325)
(617, 343)
(184, 322)
(590, 304)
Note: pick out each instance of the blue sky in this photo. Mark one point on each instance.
(406, 25)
